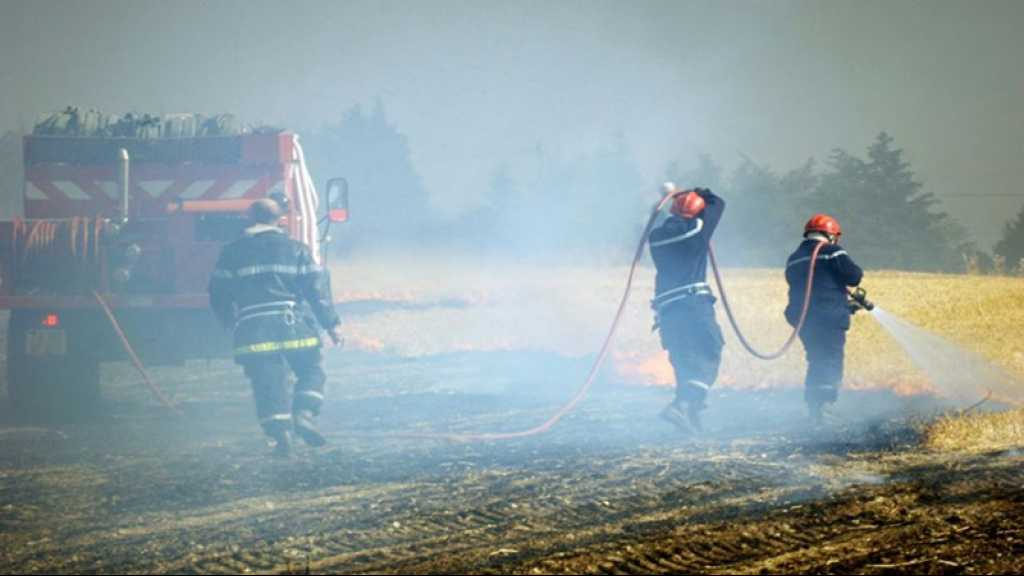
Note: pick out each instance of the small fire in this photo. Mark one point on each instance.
(644, 369)
(363, 343)
(902, 386)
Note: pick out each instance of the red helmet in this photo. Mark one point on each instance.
(688, 204)
(823, 223)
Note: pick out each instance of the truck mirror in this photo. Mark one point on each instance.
(337, 200)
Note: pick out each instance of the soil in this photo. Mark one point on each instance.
(611, 489)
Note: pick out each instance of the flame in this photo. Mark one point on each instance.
(363, 343)
(901, 386)
(643, 369)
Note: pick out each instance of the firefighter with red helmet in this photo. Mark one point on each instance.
(683, 302)
(828, 316)
(269, 291)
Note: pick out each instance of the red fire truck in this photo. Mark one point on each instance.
(120, 235)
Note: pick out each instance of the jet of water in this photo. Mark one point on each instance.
(956, 373)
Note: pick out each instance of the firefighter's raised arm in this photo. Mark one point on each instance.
(714, 206)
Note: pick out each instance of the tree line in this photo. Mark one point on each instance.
(552, 207)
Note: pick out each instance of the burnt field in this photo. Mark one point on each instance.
(609, 490)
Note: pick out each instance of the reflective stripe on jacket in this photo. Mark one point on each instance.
(267, 288)
(679, 249)
(833, 272)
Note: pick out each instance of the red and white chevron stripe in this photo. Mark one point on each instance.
(274, 164)
(53, 192)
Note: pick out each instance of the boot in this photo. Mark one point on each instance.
(305, 427)
(816, 410)
(675, 416)
(283, 446)
(693, 411)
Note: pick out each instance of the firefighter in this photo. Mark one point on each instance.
(269, 291)
(828, 317)
(683, 303)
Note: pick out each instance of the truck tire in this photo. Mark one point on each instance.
(50, 388)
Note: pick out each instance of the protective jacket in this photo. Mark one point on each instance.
(267, 288)
(679, 248)
(834, 271)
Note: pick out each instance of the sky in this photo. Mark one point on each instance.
(476, 85)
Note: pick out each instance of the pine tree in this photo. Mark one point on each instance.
(1011, 245)
(389, 202)
(887, 219)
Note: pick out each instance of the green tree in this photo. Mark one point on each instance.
(389, 202)
(1011, 245)
(707, 174)
(765, 210)
(765, 215)
(888, 220)
(586, 207)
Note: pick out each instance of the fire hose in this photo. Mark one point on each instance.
(134, 357)
(803, 312)
(606, 345)
(591, 375)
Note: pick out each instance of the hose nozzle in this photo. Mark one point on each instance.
(859, 300)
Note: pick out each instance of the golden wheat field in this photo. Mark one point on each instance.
(453, 306)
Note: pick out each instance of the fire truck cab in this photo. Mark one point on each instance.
(133, 225)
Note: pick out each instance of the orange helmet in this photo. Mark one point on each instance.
(687, 204)
(823, 223)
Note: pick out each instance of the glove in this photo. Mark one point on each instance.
(336, 336)
(854, 306)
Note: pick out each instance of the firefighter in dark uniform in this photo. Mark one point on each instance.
(683, 302)
(269, 291)
(828, 317)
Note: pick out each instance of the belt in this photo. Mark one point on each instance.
(284, 308)
(680, 293)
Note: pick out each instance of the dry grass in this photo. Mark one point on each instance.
(981, 432)
(568, 309)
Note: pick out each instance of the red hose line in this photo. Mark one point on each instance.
(594, 368)
(134, 357)
(803, 312)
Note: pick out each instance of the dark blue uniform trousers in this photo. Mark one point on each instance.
(825, 346)
(690, 333)
(268, 374)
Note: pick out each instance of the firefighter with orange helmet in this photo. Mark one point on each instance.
(683, 302)
(268, 290)
(828, 316)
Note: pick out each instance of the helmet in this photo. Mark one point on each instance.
(823, 223)
(687, 204)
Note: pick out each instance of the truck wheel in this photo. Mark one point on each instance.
(51, 377)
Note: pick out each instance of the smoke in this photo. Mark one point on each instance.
(677, 78)
(10, 175)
